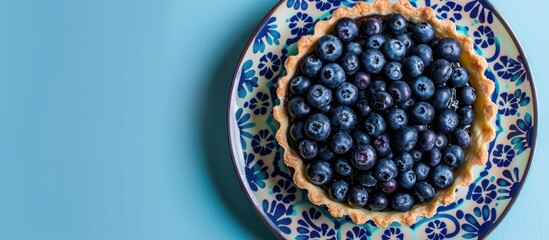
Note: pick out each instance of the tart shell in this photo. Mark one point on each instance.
(482, 132)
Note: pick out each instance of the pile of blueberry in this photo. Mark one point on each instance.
(380, 112)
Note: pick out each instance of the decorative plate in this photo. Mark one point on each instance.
(286, 209)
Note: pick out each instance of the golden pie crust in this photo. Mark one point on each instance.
(482, 132)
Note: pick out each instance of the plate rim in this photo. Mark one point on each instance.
(239, 173)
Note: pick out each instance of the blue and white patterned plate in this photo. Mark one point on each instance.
(287, 210)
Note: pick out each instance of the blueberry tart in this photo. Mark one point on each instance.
(384, 112)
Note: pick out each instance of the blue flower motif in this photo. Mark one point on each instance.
(309, 230)
(243, 124)
(247, 81)
(267, 33)
(326, 4)
(269, 64)
(357, 233)
(509, 184)
(392, 234)
(521, 133)
(479, 222)
(503, 155)
(300, 24)
(259, 104)
(284, 191)
(480, 11)
(508, 104)
(485, 192)
(436, 230)
(296, 4)
(484, 36)
(511, 69)
(263, 142)
(255, 173)
(450, 10)
(414, 3)
(278, 214)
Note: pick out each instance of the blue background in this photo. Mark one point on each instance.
(112, 119)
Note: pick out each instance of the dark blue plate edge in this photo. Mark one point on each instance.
(508, 28)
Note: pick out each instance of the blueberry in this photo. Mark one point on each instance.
(343, 118)
(416, 154)
(407, 41)
(440, 71)
(461, 137)
(358, 197)
(422, 88)
(396, 24)
(362, 80)
(381, 101)
(449, 49)
(382, 145)
(434, 157)
(319, 172)
(404, 162)
(413, 66)
(446, 121)
(372, 60)
(319, 96)
(343, 167)
(387, 186)
(346, 29)
(400, 91)
(393, 71)
(363, 157)
(396, 118)
(421, 113)
(426, 140)
(346, 93)
(407, 179)
(310, 66)
(466, 116)
(421, 128)
(338, 191)
(354, 48)
(424, 52)
(441, 141)
(466, 95)
(296, 131)
(405, 139)
(349, 63)
(441, 98)
(299, 85)
(453, 155)
(374, 42)
(362, 108)
(332, 75)
(375, 125)
(324, 153)
(371, 26)
(424, 192)
(378, 201)
(459, 77)
(298, 108)
(366, 179)
(360, 137)
(376, 86)
(394, 50)
(441, 176)
(341, 143)
(317, 127)
(326, 109)
(424, 32)
(402, 201)
(329, 48)
(308, 149)
(385, 170)
(421, 170)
